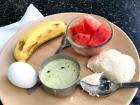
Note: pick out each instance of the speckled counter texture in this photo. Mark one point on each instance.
(124, 13)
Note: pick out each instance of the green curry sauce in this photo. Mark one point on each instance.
(60, 73)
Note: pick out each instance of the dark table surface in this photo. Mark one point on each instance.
(124, 13)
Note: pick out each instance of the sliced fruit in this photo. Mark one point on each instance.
(81, 38)
(90, 24)
(89, 32)
(100, 36)
(77, 28)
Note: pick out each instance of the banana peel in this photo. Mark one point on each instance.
(36, 36)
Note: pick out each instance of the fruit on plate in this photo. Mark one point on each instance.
(36, 36)
(88, 31)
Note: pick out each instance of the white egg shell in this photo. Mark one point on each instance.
(22, 75)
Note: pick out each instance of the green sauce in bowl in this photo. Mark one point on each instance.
(60, 73)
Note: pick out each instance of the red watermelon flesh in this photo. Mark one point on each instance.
(77, 28)
(81, 38)
(90, 24)
(100, 36)
(89, 32)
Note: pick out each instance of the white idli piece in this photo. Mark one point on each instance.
(116, 66)
(93, 79)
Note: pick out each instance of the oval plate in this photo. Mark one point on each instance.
(11, 95)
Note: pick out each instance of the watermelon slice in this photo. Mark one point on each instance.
(90, 24)
(81, 38)
(88, 31)
(77, 28)
(100, 36)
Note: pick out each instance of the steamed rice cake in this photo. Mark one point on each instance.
(116, 66)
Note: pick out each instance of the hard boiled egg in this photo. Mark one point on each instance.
(22, 75)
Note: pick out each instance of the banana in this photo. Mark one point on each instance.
(36, 36)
